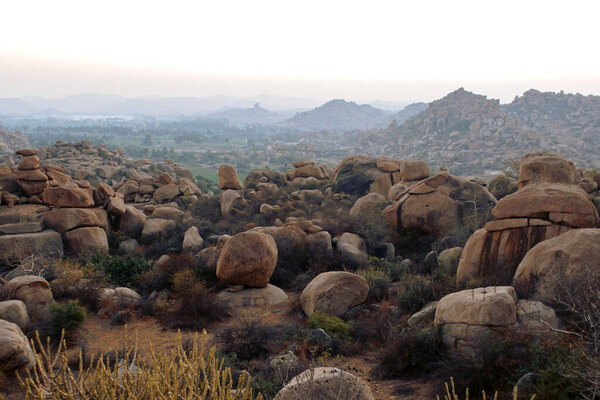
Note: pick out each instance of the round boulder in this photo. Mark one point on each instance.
(248, 258)
(15, 350)
(14, 311)
(34, 291)
(325, 383)
(228, 178)
(334, 292)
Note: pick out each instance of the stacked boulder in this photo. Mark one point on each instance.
(441, 205)
(536, 212)
(30, 178)
(472, 320)
(360, 175)
(306, 173)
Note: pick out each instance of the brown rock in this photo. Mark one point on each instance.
(116, 206)
(66, 219)
(29, 162)
(30, 175)
(14, 311)
(537, 200)
(572, 253)
(156, 229)
(353, 250)
(545, 168)
(86, 241)
(248, 258)
(66, 196)
(35, 292)
(166, 193)
(228, 178)
(253, 297)
(334, 293)
(367, 204)
(132, 222)
(27, 152)
(15, 350)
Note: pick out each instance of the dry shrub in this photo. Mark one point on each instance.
(180, 375)
(247, 339)
(196, 306)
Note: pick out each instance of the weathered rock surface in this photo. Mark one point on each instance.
(15, 351)
(545, 168)
(157, 228)
(352, 249)
(132, 222)
(192, 241)
(66, 219)
(253, 297)
(86, 241)
(22, 245)
(68, 196)
(442, 205)
(248, 258)
(473, 319)
(35, 292)
(14, 311)
(325, 383)
(228, 178)
(334, 292)
(367, 204)
(571, 254)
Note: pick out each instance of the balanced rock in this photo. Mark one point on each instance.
(545, 168)
(228, 178)
(248, 258)
(334, 292)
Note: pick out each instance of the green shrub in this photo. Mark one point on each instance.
(332, 325)
(121, 271)
(416, 291)
(68, 316)
(395, 270)
(379, 283)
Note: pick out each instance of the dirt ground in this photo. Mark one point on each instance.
(99, 336)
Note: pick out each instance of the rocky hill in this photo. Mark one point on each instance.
(407, 112)
(568, 124)
(254, 115)
(338, 115)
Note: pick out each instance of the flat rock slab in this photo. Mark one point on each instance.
(22, 227)
(253, 297)
(21, 213)
(21, 245)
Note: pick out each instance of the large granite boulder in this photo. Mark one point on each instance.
(366, 205)
(87, 241)
(156, 229)
(248, 258)
(271, 176)
(550, 263)
(132, 222)
(473, 319)
(68, 195)
(352, 249)
(252, 297)
(360, 175)
(442, 205)
(166, 193)
(228, 178)
(15, 351)
(35, 292)
(230, 201)
(17, 247)
(334, 292)
(523, 219)
(192, 241)
(67, 219)
(14, 311)
(325, 383)
(545, 168)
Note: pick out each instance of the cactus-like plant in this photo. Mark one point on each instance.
(451, 393)
(180, 375)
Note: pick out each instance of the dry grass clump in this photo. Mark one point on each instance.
(181, 375)
(451, 394)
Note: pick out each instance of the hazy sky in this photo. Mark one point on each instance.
(358, 50)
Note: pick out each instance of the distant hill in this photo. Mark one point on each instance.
(338, 115)
(251, 116)
(407, 112)
(16, 106)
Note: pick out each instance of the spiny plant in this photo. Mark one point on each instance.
(180, 375)
(451, 393)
